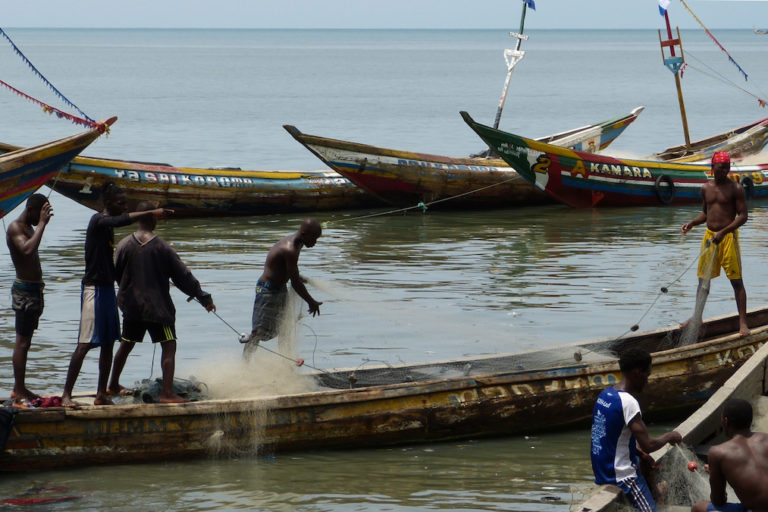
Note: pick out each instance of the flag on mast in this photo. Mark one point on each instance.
(663, 4)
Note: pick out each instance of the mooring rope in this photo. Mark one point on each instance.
(421, 205)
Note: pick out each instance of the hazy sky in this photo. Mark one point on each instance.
(378, 13)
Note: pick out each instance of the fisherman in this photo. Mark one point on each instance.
(27, 290)
(741, 462)
(144, 263)
(99, 322)
(620, 440)
(281, 265)
(724, 210)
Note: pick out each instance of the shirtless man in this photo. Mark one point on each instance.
(144, 264)
(724, 211)
(99, 321)
(27, 291)
(742, 462)
(282, 265)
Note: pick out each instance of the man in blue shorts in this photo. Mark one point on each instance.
(99, 322)
(27, 290)
(144, 265)
(742, 462)
(620, 438)
(281, 266)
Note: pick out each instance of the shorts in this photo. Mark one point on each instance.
(728, 507)
(28, 303)
(638, 493)
(133, 331)
(99, 321)
(268, 307)
(726, 254)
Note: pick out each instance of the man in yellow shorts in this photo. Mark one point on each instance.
(724, 211)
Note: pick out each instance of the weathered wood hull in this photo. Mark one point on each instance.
(473, 397)
(24, 170)
(700, 430)
(405, 178)
(192, 192)
(584, 180)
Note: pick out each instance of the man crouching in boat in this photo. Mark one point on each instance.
(281, 265)
(144, 263)
(620, 438)
(742, 462)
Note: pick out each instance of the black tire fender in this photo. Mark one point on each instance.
(748, 184)
(664, 196)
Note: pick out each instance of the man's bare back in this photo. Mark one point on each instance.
(743, 462)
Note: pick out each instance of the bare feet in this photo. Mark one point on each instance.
(66, 401)
(103, 400)
(744, 331)
(172, 399)
(24, 394)
(121, 391)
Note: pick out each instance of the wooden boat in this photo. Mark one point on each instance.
(761, 31)
(24, 170)
(406, 178)
(498, 395)
(741, 142)
(585, 180)
(195, 192)
(700, 431)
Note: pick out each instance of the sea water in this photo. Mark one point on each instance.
(395, 287)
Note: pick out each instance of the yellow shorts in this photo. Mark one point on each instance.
(726, 254)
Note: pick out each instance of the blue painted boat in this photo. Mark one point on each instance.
(24, 170)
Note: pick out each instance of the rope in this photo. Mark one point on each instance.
(731, 59)
(663, 290)
(716, 75)
(53, 110)
(421, 205)
(40, 75)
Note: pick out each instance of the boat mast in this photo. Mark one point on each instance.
(512, 57)
(674, 63)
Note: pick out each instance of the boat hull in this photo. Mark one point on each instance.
(584, 180)
(24, 170)
(404, 178)
(193, 192)
(473, 397)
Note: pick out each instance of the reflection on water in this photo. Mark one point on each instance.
(534, 473)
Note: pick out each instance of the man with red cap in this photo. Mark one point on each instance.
(724, 211)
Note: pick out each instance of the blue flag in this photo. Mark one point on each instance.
(530, 4)
(663, 4)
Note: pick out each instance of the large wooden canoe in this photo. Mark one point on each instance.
(585, 180)
(194, 192)
(24, 170)
(500, 395)
(700, 431)
(405, 178)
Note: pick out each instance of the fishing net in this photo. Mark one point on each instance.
(692, 330)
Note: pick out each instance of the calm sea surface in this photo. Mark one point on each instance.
(395, 288)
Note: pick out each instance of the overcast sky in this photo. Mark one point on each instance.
(377, 14)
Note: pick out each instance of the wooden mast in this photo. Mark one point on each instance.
(512, 57)
(674, 63)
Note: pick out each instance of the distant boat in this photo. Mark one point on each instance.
(761, 31)
(586, 180)
(24, 170)
(194, 192)
(404, 178)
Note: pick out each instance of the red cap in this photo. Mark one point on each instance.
(721, 157)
